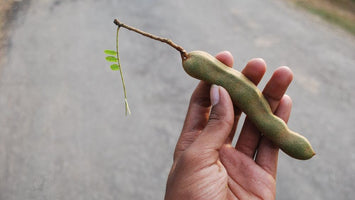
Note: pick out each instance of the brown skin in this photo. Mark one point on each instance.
(205, 165)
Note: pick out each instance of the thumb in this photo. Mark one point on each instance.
(220, 122)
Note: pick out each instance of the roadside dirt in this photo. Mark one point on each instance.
(338, 12)
(8, 12)
(5, 7)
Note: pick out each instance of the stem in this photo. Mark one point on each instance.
(164, 40)
(128, 112)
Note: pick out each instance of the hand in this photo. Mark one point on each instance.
(206, 165)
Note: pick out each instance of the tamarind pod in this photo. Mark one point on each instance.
(248, 98)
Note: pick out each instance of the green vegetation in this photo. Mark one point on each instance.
(5, 7)
(113, 56)
(338, 12)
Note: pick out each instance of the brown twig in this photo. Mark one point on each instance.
(165, 40)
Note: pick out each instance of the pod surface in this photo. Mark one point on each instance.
(248, 98)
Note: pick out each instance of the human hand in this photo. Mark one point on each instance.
(206, 165)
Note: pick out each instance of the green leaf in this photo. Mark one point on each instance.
(115, 67)
(111, 59)
(110, 52)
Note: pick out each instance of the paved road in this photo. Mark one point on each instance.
(63, 133)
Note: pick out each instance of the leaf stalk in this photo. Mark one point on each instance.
(127, 110)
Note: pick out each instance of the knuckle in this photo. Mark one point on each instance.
(216, 119)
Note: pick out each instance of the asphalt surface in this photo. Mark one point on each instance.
(63, 133)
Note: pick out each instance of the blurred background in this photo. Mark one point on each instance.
(63, 131)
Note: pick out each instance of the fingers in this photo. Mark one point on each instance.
(226, 58)
(277, 86)
(199, 109)
(196, 118)
(220, 121)
(267, 155)
(274, 90)
(254, 71)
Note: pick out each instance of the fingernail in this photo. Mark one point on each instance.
(214, 94)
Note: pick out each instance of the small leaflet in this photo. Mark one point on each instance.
(115, 67)
(111, 59)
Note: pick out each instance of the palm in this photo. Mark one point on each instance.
(242, 184)
(246, 179)
(227, 174)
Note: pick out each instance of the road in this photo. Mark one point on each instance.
(63, 131)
